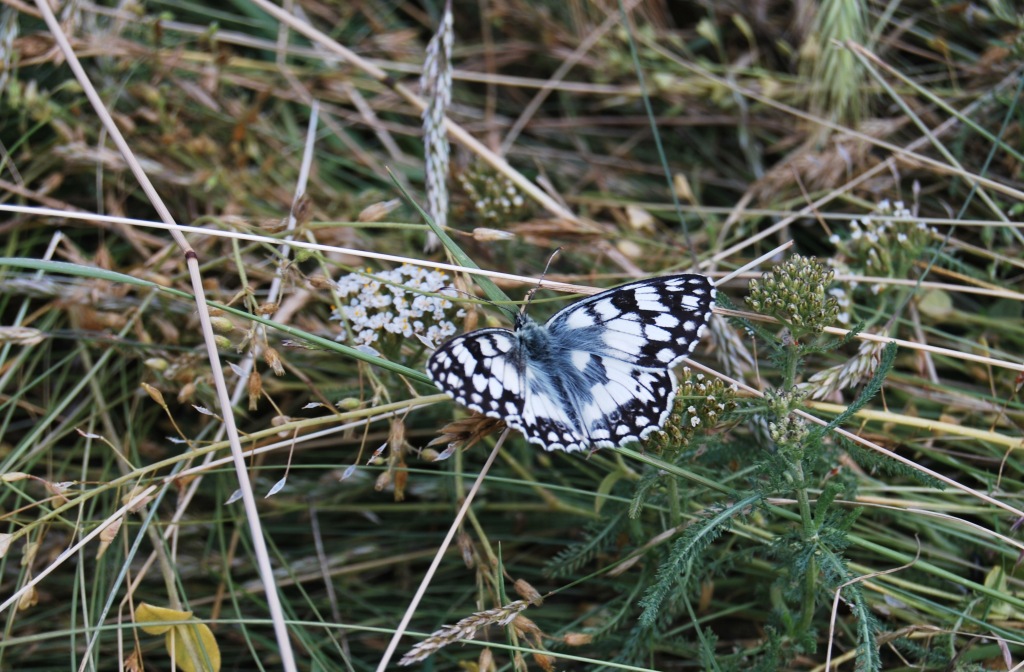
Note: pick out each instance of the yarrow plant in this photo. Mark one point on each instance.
(885, 243)
(796, 294)
(699, 406)
(495, 199)
(388, 306)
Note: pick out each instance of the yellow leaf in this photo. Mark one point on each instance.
(192, 645)
(147, 613)
(203, 644)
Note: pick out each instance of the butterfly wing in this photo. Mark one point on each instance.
(650, 323)
(480, 371)
(487, 371)
(621, 345)
(623, 402)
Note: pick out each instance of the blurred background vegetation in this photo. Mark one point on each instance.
(881, 138)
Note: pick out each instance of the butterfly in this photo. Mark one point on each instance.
(598, 374)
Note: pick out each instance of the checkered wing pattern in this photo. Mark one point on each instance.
(597, 374)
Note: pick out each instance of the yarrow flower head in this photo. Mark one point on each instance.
(886, 242)
(390, 306)
(796, 293)
(787, 430)
(495, 199)
(700, 405)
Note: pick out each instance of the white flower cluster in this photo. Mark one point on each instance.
(393, 302)
(895, 221)
(495, 199)
(885, 243)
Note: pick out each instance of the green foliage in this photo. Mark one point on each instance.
(875, 462)
(598, 537)
(648, 142)
(773, 654)
(677, 571)
(649, 481)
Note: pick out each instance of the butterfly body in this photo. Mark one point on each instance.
(597, 374)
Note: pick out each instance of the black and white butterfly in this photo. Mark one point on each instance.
(598, 374)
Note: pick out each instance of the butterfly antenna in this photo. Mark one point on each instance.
(529, 294)
(470, 295)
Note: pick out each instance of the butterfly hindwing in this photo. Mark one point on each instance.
(597, 374)
(627, 402)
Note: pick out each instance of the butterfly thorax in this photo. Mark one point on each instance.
(544, 357)
(534, 340)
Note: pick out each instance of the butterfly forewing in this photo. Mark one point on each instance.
(597, 374)
(475, 369)
(652, 323)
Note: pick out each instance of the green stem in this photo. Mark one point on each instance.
(675, 515)
(811, 572)
(803, 501)
(792, 359)
(807, 609)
